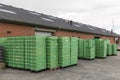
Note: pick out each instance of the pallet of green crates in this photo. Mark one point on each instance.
(100, 48)
(109, 50)
(64, 51)
(73, 50)
(80, 48)
(15, 52)
(35, 53)
(89, 49)
(52, 52)
(114, 49)
(3, 41)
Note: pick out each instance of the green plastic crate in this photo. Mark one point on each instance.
(89, 49)
(35, 53)
(109, 49)
(80, 48)
(74, 50)
(52, 52)
(2, 41)
(14, 52)
(114, 49)
(64, 51)
(100, 48)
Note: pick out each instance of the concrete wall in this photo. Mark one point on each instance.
(15, 30)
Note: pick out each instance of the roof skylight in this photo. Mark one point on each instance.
(46, 19)
(7, 11)
(1, 5)
(52, 17)
(77, 25)
(35, 13)
(103, 31)
(91, 28)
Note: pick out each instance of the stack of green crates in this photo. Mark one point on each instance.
(2, 41)
(100, 48)
(15, 52)
(52, 52)
(109, 50)
(64, 51)
(80, 48)
(74, 50)
(89, 49)
(35, 53)
(114, 49)
(86, 49)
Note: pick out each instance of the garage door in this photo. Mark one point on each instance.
(41, 33)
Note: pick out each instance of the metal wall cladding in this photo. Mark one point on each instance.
(100, 48)
(52, 52)
(73, 50)
(14, 53)
(64, 51)
(114, 49)
(35, 53)
(86, 49)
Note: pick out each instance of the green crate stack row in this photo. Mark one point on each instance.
(114, 49)
(52, 52)
(35, 53)
(100, 48)
(74, 50)
(86, 49)
(64, 51)
(14, 54)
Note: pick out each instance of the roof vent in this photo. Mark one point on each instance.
(111, 32)
(70, 22)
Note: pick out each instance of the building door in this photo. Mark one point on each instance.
(43, 33)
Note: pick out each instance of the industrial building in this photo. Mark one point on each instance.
(19, 22)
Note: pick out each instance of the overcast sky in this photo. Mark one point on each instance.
(94, 12)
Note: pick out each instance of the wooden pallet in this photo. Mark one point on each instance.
(52, 68)
(38, 71)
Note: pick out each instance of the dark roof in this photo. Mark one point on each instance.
(30, 17)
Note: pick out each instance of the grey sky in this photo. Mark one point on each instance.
(94, 12)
